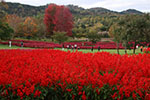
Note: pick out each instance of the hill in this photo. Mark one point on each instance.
(28, 10)
(131, 11)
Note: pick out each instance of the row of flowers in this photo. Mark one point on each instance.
(58, 75)
(82, 45)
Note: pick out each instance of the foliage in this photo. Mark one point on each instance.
(131, 28)
(29, 27)
(93, 36)
(58, 18)
(14, 22)
(135, 29)
(5, 31)
(60, 37)
(28, 10)
(41, 28)
(146, 50)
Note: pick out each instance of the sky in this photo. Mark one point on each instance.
(116, 5)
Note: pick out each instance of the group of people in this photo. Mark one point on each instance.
(71, 47)
(97, 48)
(141, 48)
(77, 47)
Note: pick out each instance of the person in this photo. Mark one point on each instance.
(63, 47)
(92, 49)
(137, 46)
(141, 48)
(75, 46)
(68, 47)
(21, 44)
(72, 47)
(78, 48)
(9, 43)
(99, 48)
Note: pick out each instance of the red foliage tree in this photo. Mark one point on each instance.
(58, 18)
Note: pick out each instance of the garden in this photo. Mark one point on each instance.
(45, 74)
(58, 52)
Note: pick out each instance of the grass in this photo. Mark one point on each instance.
(82, 50)
(12, 47)
(122, 51)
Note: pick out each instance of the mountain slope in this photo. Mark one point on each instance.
(28, 10)
(131, 11)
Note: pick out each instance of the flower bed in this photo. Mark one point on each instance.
(58, 75)
(82, 45)
(146, 50)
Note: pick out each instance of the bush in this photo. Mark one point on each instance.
(5, 31)
(93, 36)
(60, 37)
(146, 50)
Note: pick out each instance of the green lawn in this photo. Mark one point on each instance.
(82, 50)
(122, 51)
(13, 47)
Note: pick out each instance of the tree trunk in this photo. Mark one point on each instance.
(117, 47)
(134, 48)
(125, 48)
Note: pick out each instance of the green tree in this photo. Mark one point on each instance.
(93, 36)
(5, 31)
(115, 32)
(131, 28)
(137, 27)
(60, 37)
(41, 28)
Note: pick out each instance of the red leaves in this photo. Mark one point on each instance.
(27, 69)
(58, 18)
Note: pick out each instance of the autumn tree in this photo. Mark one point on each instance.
(29, 27)
(58, 18)
(14, 22)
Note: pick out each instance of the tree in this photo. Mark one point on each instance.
(93, 36)
(137, 27)
(58, 18)
(5, 31)
(131, 28)
(41, 28)
(60, 37)
(30, 27)
(14, 22)
(146, 29)
(115, 32)
(3, 5)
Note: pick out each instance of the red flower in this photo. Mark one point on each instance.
(83, 96)
(69, 90)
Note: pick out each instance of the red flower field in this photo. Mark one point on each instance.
(40, 74)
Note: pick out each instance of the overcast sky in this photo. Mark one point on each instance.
(116, 5)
